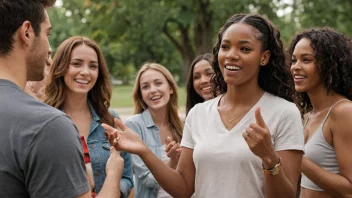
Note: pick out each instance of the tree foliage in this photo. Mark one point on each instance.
(131, 32)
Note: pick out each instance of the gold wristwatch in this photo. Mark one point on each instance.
(274, 170)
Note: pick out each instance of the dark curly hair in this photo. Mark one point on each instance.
(192, 97)
(333, 54)
(275, 77)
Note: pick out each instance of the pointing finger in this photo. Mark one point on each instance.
(259, 119)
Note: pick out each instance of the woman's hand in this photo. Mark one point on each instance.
(173, 151)
(123, 138)
(258, 138)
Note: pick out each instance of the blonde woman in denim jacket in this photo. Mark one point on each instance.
(157, 122)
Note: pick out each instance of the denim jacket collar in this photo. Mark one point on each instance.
(147, 118)
(95, 119)
(92, 111)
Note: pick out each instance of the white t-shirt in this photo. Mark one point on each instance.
(225, 166)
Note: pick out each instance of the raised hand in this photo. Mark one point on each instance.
(173, 151)
(115, 163)
(123, 138)
(258, 138)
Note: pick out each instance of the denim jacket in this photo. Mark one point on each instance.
(143, 125)
(99, 151)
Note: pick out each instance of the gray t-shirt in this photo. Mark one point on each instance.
(40, 149)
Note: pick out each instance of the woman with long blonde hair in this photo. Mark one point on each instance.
(157, 122)
(79, 85)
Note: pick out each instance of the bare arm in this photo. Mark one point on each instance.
(178, 183)
(284, 184)
(339, 185)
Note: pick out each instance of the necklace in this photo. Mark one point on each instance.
(235, 118)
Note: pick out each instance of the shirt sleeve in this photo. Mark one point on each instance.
(289, 135)
(140, 169)
(54, 164)
(187, 140)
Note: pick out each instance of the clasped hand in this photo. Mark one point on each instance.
(173, 151)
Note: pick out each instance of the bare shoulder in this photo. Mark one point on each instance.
(342, 109)
(341, 117)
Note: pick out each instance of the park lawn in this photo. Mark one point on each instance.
(122, 96)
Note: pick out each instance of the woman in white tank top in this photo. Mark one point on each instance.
(322, 71)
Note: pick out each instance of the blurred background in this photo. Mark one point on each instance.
(173, 32)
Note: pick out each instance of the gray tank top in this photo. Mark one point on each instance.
(320, 152)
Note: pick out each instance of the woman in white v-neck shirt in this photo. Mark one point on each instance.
(251, 126)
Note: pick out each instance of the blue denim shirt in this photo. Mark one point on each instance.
(143, 125)
(99, 151)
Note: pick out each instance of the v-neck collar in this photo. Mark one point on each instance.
(243, 119)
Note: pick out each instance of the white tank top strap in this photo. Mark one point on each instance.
(331, 108)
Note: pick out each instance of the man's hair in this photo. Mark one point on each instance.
(13, 13)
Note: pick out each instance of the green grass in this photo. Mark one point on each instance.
(122, 96)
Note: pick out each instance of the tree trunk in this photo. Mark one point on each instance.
(203, 29)
(187, 60)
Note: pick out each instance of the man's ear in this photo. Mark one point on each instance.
(265, 58)
(26, 33)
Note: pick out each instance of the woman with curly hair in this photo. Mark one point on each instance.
(79, 85)
(321, 66)
(246, 142)
(198, 87)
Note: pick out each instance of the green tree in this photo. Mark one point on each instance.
(318, 13)
(156, 29)
(131, 32)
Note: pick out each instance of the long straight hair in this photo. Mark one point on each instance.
(172, 106)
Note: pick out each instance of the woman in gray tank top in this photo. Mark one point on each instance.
(322, 70)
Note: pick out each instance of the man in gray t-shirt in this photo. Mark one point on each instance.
(40, 149)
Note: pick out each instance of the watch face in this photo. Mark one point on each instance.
(276, 170)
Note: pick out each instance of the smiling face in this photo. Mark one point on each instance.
(240, 55)
(155, 89)
(83, 70)
(202, 73)
(303, 69)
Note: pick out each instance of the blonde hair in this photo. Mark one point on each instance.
(172, 106)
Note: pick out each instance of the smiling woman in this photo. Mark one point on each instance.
(198, 81)
(157, 122)
(247, 141)
(321, 68)
(78, 84)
